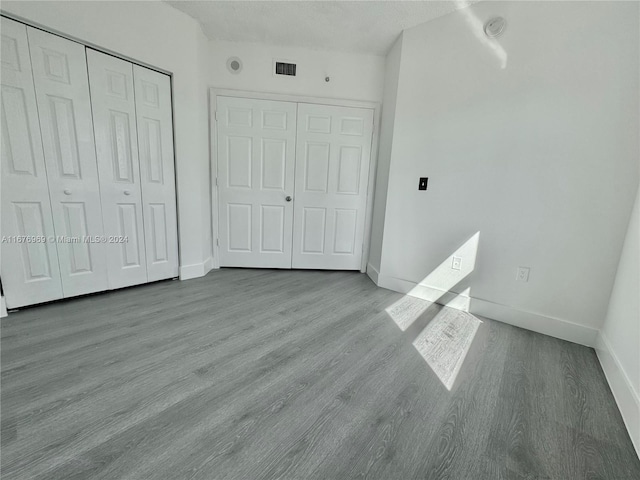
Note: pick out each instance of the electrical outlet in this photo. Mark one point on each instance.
(523, 274)
(456, 263)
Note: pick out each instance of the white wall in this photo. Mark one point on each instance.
(353, 77)
(540, 157)
(619, 342)
(156, 34)
(391, 76)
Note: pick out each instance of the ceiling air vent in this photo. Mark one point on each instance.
(284, 68)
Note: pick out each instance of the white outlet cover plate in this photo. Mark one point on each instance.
(523, 274)
(456, 263)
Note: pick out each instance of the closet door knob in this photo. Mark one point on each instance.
(127, 192)
(67, 192)
(288, 198)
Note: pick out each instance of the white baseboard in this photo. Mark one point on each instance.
(372, 273)
(208, 265)
(554, 327)
(536, 322)
(459, 301)
(187, 272)
(196, 270)
(393, 283)
(3, 308)
(626, 397)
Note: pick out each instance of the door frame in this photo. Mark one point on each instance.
(214, 93)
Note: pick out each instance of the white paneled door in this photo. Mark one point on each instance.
(332, 169)
(292, 183)
(114, 119)
(87, 178)
(30, 271)
(256, 154)
(155, 142)
(62, 92)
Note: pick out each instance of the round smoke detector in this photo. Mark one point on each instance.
(495, 27)
(234, 64)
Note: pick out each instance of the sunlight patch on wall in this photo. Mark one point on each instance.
(443, 278)
(436, 287)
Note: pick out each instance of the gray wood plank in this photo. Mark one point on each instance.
(263, 374)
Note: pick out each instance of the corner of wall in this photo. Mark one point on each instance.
(627, 399)
(208, 265)
(390, 92)
(207, 206)
(618, 345)
(373, 273)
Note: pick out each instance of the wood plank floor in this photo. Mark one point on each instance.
(262, 374)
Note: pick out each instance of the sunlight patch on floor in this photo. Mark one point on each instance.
(442, 302)
(406, 310)
(445, 341)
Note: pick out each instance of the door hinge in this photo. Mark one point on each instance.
(215, 115)
(217, 242)
(216, 181)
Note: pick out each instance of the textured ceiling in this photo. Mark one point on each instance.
(348, 26)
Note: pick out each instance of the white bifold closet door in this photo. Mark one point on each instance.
(332, 171)
(87, 177)
(30, 271)
(116, 136)
(155, 142)
(62, 92)
(256, 155)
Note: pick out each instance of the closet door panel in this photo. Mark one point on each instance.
(157, 176)
(114, 122)
(256, 154)
(332, 169)
(30, 271)
(62, 92)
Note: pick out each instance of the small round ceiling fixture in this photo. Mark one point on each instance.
(234, 64)
(495, 27)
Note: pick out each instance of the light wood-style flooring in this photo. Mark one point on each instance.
(264, 374)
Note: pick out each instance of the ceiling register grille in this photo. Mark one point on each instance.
(283, 68)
